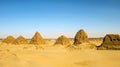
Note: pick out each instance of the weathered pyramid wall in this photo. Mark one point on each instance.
(63, 40)
(9, 40)
(20, 40)
(37, 39)
(110, 41)
(81, 37)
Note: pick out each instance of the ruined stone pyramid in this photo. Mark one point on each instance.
(110, 41)
(63, 40)
(37, 39)
(20, 40)
(81, 37)
(9, 39)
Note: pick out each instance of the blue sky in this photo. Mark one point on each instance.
(53, 18)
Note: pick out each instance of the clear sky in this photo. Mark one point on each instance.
(53, 18)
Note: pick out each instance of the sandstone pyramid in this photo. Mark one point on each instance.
(20, 40)
(63, 40)
(9, 40)
(110, 41)
(37, 39)
(81, 37)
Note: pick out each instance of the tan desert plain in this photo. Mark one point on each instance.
(79, 51)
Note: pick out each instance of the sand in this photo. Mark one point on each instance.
(28, 55)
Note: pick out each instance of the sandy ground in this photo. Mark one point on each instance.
(56, 56)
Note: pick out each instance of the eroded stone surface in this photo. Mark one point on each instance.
(63, 40)
(81, 37)
(110, 41)
(20, 40)
(37, 39)
(9, 40)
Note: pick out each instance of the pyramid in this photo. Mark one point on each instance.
(110, 41)
(9, 40)
(63, 40)
(37, 39)
(81, 37)
(20, 40)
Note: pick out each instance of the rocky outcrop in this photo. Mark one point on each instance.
(110, 41)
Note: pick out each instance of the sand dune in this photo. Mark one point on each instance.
(55, 56)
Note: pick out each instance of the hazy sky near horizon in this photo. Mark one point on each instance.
(53, 18)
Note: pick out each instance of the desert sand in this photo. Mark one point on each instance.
(47, 55)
